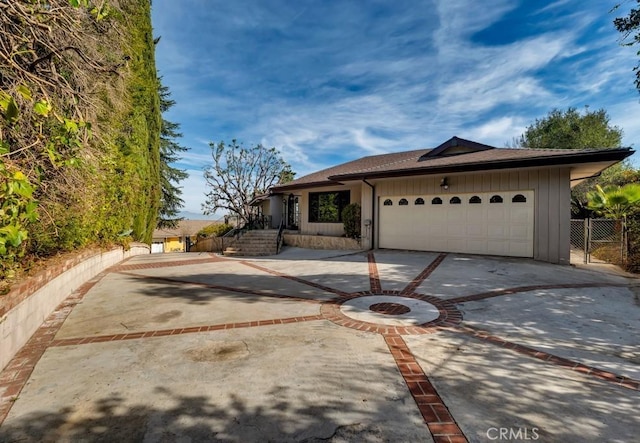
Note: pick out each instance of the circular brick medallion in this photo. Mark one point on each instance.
(389, 308)
(391, 312)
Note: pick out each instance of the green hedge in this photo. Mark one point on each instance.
(92, 156)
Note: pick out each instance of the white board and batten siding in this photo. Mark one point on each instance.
(537, 228)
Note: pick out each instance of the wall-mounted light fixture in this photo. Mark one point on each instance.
(444, 183)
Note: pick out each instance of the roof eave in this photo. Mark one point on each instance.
(584, 157)
(293, 187)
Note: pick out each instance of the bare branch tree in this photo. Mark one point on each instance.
(238, 174)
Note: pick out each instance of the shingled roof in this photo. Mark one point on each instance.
(454, 155)
(184, 228)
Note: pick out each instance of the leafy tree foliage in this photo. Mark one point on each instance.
(617, 202)
(170, 176)
(214, 230)
(629, 26)
(239, 173)
(618, 175)
(572, 130)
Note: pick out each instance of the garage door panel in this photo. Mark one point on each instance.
(477, 246)
(456, 245)
(497, 247)
(519, 233)
(497, 225)
(520, 249)
(498, 231)
(477, 230)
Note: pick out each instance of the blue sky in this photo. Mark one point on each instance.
(333, 80)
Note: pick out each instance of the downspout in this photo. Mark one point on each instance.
(373, 211)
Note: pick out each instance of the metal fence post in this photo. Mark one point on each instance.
(586, 240)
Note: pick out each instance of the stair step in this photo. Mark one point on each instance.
(254, 243)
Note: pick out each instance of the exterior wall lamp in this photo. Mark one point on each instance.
(444, 183)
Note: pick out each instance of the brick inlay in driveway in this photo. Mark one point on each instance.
(390, 308)
(441, 423)
(393, 314)
(608, 376)
(409, 323)
(180, 331)
(416, 282)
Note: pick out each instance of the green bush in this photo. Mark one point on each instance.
(632, 263)
(214, 230)
(351, 215)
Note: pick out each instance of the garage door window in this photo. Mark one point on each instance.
(403, 202)
(496, 199)
(388, 202)
(475, 200)
(455, 201)
(519, 198)
(326, 207)
(436, 201)
(419, 201)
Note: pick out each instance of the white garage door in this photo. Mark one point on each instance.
(495, 223)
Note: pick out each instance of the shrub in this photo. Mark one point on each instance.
(214, 230)
(632, 263)
(351, 218)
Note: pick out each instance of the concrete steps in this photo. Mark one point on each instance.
(254, 243)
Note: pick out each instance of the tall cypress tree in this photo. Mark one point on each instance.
(170, 176)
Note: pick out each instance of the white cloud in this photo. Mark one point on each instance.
(499, 131)
(625, 116)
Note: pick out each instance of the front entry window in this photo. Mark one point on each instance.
(326, 207)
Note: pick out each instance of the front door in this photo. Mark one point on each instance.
(292, 212)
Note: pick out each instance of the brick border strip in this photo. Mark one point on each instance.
(435, 413)
(625, 382)
(295, 279)
(374, 275)
(222, 288)
(16, 374)
(167, 264)
(519, 289)
(180, 331)
(449, 315)
(420, 278)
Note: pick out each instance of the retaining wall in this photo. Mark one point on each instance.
(321, 242)
(30, 302)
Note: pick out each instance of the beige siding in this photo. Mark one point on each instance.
(366, 212)
(552, 200)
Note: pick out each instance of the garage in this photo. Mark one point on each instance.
(492, 223)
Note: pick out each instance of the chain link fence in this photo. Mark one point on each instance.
(599, 240)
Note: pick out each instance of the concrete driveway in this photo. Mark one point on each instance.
(322, 346)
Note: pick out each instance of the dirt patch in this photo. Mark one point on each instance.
(166, 316)
(218, 351)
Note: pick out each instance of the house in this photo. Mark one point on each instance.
(178, 239)
(462, 196)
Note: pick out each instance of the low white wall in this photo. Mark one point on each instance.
(29, 303)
